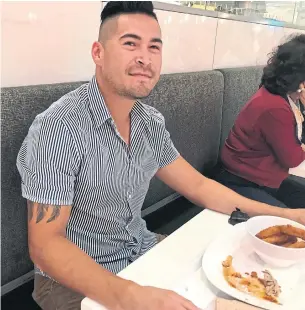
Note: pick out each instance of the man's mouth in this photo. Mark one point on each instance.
(141, 74)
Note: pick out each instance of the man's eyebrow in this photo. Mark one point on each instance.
(135, 36)
(130, 35)
(156, 40)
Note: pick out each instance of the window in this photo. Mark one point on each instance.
(276, 12)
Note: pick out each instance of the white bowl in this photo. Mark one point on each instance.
(271, 254)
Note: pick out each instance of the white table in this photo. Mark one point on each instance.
(298, 171)
(176, 261)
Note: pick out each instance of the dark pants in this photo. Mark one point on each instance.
(291, 193)
(50, 295)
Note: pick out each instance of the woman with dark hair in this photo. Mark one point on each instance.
(268, 136)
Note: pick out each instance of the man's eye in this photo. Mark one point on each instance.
(130, 43)
(155, 47)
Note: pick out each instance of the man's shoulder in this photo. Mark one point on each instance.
(68, 105)
(69, 115)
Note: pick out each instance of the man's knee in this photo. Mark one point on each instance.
(50, 295)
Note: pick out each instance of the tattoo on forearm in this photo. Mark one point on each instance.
(55, 213)
(42, 209)
(30, 210)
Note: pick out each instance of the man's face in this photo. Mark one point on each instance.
(132, 55)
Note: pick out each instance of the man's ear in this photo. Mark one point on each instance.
(97, 53)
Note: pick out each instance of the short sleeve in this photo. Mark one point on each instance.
(169, 153)
(48, 163)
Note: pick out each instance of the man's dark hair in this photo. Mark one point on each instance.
(285, 70)
(115, 8)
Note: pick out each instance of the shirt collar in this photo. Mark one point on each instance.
(100, 111)
(141, 111)
(97, 103)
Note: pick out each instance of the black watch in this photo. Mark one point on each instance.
(237, 217)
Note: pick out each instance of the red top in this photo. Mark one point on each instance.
(263, 145)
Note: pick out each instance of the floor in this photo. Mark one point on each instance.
(164, 221)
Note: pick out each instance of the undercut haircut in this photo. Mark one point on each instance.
(115, 8)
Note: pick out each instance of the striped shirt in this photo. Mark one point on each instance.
(74, 155)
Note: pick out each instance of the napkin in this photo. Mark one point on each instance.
(225, 304)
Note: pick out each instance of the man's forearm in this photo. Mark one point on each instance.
(217, 197)
(73, 268)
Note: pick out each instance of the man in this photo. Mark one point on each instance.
(86, 165)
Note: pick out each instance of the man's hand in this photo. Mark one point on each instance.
(150, 298)
(303, 147)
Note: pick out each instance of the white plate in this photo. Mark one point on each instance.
(292, 280)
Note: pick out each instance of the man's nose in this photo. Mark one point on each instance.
(143, 59)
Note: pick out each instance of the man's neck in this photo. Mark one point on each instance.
(118, 106)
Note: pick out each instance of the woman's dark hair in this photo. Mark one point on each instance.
(114, 8)
(285, 70)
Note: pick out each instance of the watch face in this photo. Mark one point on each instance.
(232, 222)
